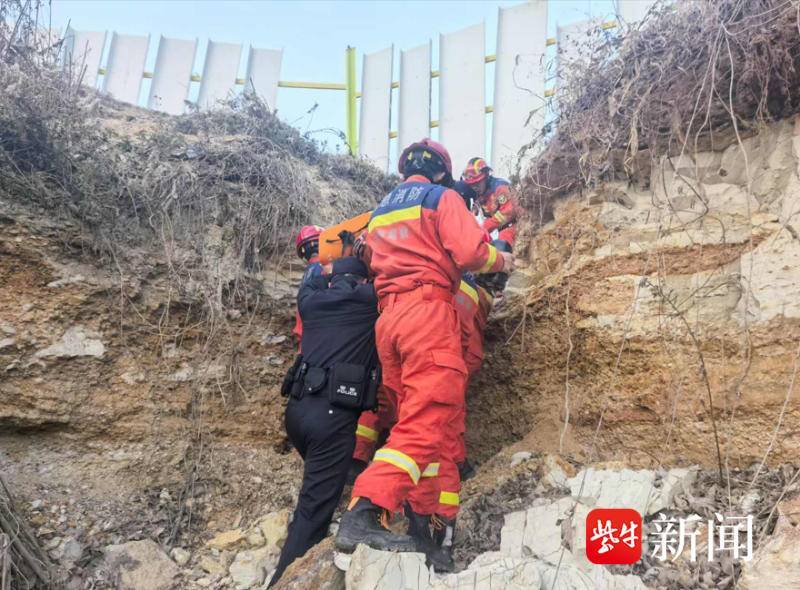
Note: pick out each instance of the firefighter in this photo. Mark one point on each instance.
(373, 426)
(494, 197)
(307, 247)
(339, 314)
(420, 240)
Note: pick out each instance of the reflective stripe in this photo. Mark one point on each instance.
(395, 216)
(468, 290)
(448, 498)
(367, 432)
(401, 461)
(432, 470)
(501, 219)
(491, 260)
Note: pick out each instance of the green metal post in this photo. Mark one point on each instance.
(350, 82)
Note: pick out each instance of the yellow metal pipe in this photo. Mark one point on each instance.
(351, 105)
(313, 85)
(487, 109)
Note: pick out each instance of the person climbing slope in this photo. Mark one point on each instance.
(420, 240)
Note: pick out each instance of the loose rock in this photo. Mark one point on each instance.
(375, 570)
(77, 341)
(180, 556)
(141, 565)
(250, 568)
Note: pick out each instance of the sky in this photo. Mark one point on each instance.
(313, 34)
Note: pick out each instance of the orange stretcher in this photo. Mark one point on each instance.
(337, 241)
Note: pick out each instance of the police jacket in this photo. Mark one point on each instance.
(338, 317)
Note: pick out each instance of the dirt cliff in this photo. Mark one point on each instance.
(642, 306)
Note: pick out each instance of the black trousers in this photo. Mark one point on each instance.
(325, 437)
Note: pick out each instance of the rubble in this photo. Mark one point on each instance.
(180, 556)
(226, 540)
(776, 564)
(373, 570)
(274, 527)
(252, 566)
(141, 565)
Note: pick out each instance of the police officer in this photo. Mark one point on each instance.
(328, 386)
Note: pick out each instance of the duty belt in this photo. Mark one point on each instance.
(426, 292)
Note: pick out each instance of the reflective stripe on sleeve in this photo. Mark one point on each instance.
(401, 461)
(491, 260)
(367, 432)
(467, 289)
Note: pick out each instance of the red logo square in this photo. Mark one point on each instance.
(614, 536)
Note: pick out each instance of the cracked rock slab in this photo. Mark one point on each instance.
(381, 570)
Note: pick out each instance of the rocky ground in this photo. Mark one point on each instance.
(130, 436)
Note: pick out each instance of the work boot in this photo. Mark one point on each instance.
(357, 466)
(365, 523)
(465, 470)
(419, 529)
(443, 535)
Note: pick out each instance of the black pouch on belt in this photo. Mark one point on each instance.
(370, 401)
(347, 386)
(291, 376)
(314, 380)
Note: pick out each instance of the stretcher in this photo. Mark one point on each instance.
(337, 241)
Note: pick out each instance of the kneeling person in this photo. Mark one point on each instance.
(328, 385)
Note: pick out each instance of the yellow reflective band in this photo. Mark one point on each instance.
(366, 432)
(432, 470)
(469, 291)
(449, 498)
(500, 217)
(401, 461)
(396, 216)
(491, 260)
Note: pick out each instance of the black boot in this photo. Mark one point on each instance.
(362, 524)
(466, 470)
(419, 529)
(443, 536)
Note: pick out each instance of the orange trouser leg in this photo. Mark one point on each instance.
(455, 452)
(420, 351)
(372, 424)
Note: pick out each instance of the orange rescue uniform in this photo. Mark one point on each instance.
(499, 210)
(421, 238)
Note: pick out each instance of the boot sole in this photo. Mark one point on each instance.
(349, 544)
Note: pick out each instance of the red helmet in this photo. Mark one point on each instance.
(308, 234)
(477, 169)
(426, 144)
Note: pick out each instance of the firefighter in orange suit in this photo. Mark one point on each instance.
(494, 197)
(420, 240)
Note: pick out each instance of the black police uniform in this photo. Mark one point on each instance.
(338, 317)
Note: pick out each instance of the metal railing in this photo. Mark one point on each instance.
(350, 87)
